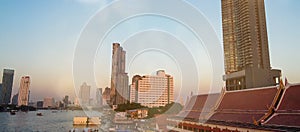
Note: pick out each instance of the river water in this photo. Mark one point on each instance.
(51, 121)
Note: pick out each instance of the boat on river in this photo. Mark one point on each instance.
(39, 114)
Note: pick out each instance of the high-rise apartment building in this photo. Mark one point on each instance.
(84, 94)
(106, 96)
(119, 79)
(245, 39)
(23, 97)
(99, 97)
(152, 91)
(7, 83)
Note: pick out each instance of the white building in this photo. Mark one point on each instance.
(23, 96)
(152, 91)
(84, 94)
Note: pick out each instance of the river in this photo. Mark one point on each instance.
(51, 121)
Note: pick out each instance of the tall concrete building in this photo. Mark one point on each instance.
(245, 39)
(99, 98)
(106, 96)
(7, 83)
(66, 101)
(152, 91)
(119, 79)
(84, 94)
(23, 97)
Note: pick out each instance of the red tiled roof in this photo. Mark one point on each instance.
(245, 106)
(199, 104)
(291, 99)
(254, 99)
(288, 112)
(285, 120)
(202, 102)
(236, 117)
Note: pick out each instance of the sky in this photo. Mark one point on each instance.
(40, 37)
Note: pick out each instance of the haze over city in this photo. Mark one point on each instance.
(40, 42)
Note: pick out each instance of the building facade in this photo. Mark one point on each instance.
(106, 96)
(99, 98)
(23, 97)
(49, 102)
(119, 79)
(66, 101)
(7, 83)
(84, 94)
(39, 104)
(246, 52)
(152, 91)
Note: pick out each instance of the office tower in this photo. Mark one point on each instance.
(247, 62)
(66, 101)
(84, 94)
(99, 97)
(106, 96)
(152, 91)
(119, 79)
(14, 99)
(7, 83)
(24, 91)
(49, 102)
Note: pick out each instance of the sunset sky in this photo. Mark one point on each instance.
(39, 38)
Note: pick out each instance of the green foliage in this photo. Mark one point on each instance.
(172, 108)
(131, 106)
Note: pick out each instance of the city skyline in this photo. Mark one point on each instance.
(56, 80)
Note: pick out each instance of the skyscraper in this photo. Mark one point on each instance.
(66, 101)
(7, 83)
(84, 94)
(152, 91)
(99, 97)
(23, 97)
(106, 96)
(119, 79)
(247, 62)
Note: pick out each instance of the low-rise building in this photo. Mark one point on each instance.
(137, 113)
